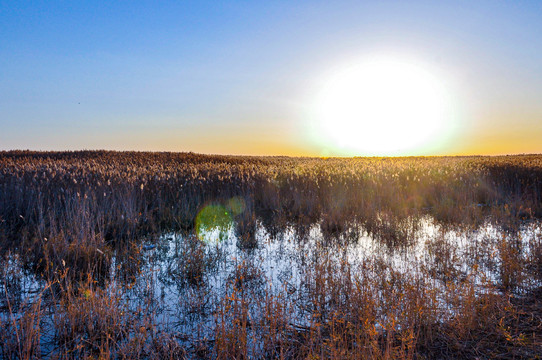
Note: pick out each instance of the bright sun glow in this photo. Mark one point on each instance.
(382, 107)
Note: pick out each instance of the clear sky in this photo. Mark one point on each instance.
(246, 77)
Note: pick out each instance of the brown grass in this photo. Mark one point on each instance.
(70, 217)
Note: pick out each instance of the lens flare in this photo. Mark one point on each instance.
(213, 223)
(236, 205)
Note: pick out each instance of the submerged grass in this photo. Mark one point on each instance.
(76, 220)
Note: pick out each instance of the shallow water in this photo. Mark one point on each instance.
(189, 283)
(281, 266)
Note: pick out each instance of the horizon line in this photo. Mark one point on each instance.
(3, 151)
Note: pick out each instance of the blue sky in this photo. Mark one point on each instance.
(237, 77)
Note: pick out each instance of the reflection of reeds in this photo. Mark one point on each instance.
(192, 262)
(71, 216)
(20, 330)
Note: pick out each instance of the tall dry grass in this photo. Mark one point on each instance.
(70, 217)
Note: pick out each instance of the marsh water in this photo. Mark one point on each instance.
(281, 265)
(189, 281)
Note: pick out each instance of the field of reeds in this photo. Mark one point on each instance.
(180, 255)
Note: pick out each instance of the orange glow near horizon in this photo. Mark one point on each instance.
(488, 136)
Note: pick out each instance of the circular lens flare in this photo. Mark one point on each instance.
(213, 223)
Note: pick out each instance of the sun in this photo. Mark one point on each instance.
(382, 106)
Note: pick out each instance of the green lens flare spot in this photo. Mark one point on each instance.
(236, 205)
(213, 223)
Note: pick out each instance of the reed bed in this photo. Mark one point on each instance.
(80, 223)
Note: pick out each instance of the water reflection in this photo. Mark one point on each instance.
(190, 281)
(194, 276)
